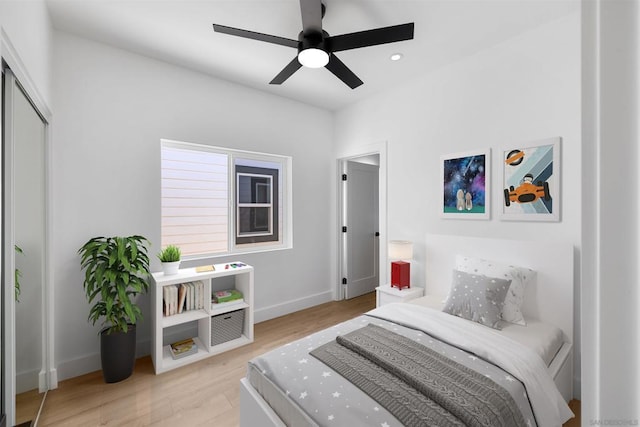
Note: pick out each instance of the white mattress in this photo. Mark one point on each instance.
(543, 338)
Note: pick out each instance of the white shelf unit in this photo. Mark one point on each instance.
(242, 278)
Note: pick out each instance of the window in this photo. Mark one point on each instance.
(256, 215)
(216, 201)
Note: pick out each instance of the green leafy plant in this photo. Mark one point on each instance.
(116, 269)
(18, 274)
(170, 254)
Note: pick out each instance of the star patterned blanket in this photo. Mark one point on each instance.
(304, 391)
(548, 405)
(419, 386)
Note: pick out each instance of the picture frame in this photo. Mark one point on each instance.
(465, 180)
(531, 181)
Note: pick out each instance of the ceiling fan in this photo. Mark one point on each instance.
(316, 47)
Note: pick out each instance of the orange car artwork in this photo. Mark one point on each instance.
(527, 192)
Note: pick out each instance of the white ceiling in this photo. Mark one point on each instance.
(180, 32)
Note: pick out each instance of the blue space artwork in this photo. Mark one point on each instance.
(464, 185)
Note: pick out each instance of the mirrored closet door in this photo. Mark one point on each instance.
(24, 252)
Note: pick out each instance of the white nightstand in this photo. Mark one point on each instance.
(385, 294)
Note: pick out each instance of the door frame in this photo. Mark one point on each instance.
(380, 149)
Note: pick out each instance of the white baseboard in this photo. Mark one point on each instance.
(90, 363)
(53, 379)
(79, 366)
(35, 379)
(26, 381)
(273, 311)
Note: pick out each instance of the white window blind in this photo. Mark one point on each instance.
(195, 200)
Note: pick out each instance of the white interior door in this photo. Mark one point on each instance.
(362, 235)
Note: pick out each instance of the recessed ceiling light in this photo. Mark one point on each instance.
(396, 57)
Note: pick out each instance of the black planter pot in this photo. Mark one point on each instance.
(118, 354)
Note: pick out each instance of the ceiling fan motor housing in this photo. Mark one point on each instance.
(313, 40)
(313, 51)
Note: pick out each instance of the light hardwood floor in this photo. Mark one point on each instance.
(205, 393)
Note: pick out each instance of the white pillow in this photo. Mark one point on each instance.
(519, 276)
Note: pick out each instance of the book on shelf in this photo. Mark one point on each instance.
(234, 302)
(169, 299)
(177, 299)
(227, 295)
(164, 301)
(196, 296)
(182, 294)
(174, 300)
(202, 298)
(183, 348)
(189, 296)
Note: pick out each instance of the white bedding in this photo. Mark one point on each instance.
(543, 338)
(548, 405)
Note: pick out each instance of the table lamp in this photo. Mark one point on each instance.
(400, 252)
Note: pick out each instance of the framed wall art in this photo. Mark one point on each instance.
(465, 185)
(531, 181)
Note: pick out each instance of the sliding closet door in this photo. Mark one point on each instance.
(24, 243)
(29, 229)
(8, 258)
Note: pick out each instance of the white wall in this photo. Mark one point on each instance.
(112, 109)
(26, 26)
(524, 89)
(611, 332)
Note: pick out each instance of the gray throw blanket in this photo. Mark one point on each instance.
(419, 386)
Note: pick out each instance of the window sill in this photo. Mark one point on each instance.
(253, 250)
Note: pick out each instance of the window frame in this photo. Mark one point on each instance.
(282, 200)
(273, 227)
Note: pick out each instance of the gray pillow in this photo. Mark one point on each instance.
(477, 298)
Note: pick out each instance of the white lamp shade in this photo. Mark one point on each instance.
(400, 249)
(313, 58)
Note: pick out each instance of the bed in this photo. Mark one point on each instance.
(328, 378)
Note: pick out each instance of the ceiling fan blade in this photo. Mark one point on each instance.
(374, 37)
(311, 11)
(342, 72)
(255, 36)
(286, 72)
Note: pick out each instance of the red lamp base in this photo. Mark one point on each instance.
(400, 274)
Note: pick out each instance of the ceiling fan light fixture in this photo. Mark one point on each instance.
(313, 58)
(316, 47)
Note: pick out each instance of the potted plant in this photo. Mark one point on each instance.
(116, 269)
(18, 274)
(170, 258)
